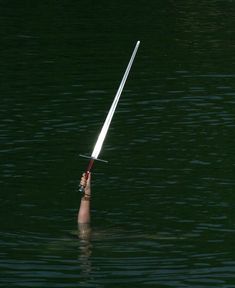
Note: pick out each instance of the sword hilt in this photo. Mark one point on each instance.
(82, 187)
(91, 162)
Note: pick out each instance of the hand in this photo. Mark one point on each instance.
(86, 182)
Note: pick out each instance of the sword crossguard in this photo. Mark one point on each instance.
(90, 157)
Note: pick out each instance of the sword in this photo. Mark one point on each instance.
(104, 130)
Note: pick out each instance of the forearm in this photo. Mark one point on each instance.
(84, 211)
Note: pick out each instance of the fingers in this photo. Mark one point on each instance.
(85, 179)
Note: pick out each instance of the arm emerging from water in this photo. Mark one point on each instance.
(84, 210)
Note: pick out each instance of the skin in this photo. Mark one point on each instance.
(84, 210)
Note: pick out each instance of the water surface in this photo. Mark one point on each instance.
(163, 207)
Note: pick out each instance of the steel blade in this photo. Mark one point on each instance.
(104, 130)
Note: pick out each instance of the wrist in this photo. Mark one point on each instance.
(86, 197)
(87, 191)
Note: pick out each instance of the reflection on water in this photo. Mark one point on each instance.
(84, 234)
(167, 255)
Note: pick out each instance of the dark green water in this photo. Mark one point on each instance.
(163, 207)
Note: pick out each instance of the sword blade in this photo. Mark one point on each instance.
(104, 130)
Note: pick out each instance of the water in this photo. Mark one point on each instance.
(163, 208)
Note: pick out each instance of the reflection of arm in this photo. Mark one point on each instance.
(84, 211)
(84, 231)
(84, 234)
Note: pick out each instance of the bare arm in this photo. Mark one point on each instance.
(84, 211)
